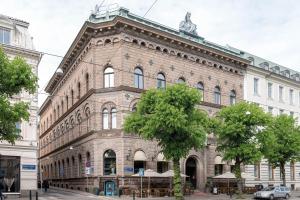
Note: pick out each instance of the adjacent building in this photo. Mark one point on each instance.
(277, 90)
(18, 163)
(115, 57)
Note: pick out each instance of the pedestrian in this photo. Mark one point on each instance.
(45, 185)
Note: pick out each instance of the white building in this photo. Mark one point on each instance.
(18, 163)
(276, 89)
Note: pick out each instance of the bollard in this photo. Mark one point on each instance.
(36, 195)
(133, 196)
(30, 195)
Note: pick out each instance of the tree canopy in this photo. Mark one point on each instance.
(15, 76)
(171, 118)
(281, 142)
(237, 129)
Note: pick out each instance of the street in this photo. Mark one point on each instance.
(60, 194)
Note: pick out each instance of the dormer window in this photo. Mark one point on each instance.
(4, 36)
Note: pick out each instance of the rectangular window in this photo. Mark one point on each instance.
(281, 111)
(255, 86)
(280, 93)
(291, 96)
(4, 36)
(270, 90)
(270, 110)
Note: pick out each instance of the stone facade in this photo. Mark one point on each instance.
(75, 130)
(18, 42)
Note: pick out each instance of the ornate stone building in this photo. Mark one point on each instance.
(114, 58)
(18, 163)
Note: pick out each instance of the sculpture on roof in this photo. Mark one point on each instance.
(187, 25)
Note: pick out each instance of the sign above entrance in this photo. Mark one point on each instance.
(28, 167)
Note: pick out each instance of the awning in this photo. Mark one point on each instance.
(161, 157)
(219, 160)
(139, 156)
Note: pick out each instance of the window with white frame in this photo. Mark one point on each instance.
(270, 90)
(161, 81)
(217, 95)
(109, 77)
(105, 118)
(270, 110)
(255, 86)
(113, 118)
(4, 36)
(138, 78)
(291, 96)
(280, 93)
(232, 97)
(200, 88)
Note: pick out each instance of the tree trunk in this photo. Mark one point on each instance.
(282, 171)
(238, 175)
(177, 180)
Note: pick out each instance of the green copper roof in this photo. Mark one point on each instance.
(104, 16)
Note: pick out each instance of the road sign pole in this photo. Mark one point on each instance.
(141, 186)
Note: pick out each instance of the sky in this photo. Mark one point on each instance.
(269, 28)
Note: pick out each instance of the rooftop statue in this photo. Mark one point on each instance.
(187, 25)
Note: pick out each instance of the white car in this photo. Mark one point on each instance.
(273, 193)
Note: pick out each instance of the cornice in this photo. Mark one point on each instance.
(91, 30)
(268, 74)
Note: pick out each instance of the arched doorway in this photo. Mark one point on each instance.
(191, 171)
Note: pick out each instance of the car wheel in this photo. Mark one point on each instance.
(287, 196)
(271, 197)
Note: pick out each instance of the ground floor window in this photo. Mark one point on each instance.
(138, 165)
(162, 166)
(218, 169)
(9, 173)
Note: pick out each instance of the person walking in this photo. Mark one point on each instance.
(45, 185)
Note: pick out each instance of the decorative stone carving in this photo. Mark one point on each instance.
(188, 26)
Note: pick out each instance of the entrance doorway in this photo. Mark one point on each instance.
(110, 188)
(191, 171)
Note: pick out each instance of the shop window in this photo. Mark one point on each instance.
(109, 162)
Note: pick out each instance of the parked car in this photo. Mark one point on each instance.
(273, 193)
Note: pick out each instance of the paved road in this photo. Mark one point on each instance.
(77, 195)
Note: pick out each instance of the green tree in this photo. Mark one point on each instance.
(237, 129)
(171, 118)
(281, 142)
(15, 76)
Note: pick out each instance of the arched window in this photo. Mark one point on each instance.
(109, 162)
(67, 101)
(62, 107)
(88, 160)
(113, 118)
(72, 167)
(161, 80)
(72, 96)
(79, 90)
(108, 77)
(80, 167)
(58, 113)
(217, 95)
(232, 97)
(200, 88)
(138, 78)
(134, 108)
(105, 118)
(181, 80)
(87, 82)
